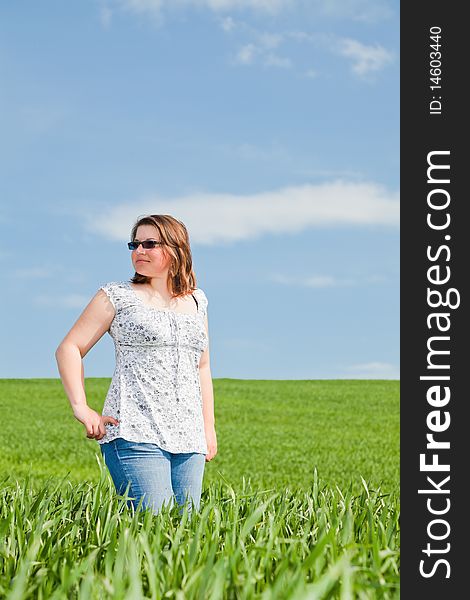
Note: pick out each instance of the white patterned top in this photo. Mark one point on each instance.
(155, 392)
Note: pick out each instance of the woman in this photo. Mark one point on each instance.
(158, 427)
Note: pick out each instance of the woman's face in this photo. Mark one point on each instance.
(152, 262)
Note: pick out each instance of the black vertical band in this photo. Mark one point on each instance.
(434, 290)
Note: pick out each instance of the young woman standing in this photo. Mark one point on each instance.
(158, 427)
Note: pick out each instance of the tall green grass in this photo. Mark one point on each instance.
(302, 501)
(66, 541)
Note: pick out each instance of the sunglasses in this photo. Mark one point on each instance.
(147, 244)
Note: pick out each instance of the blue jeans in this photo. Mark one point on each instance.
(154, 474)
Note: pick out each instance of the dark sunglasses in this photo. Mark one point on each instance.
(147, 244)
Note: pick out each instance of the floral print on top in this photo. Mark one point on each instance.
(155, 392)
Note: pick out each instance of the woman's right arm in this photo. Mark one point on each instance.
(90, 327)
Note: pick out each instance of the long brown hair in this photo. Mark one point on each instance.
(174, 235)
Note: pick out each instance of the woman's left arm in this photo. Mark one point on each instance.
(207, 392)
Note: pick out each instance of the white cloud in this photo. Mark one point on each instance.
(227, 24)
(224, 218)
(302, 36)
(262, 46)
(106, 15)
(269, 40)
(365, 59)
(246, 54)
(373, 370)
(311, 74)
(272, 60)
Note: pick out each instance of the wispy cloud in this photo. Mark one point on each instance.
(310, 73)
(261, 47)
(359, 10)
(365, 59)
(373, 370)
(106, 14)
(261, 50)
(221, 218)
(272, 60)
(227, 24)
(246, 54)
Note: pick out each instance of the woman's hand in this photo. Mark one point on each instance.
(94, 422)
(211, 439)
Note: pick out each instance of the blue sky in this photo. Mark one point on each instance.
(269, 127)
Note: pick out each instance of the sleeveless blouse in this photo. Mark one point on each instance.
(155, 392)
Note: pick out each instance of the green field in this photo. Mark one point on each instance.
(302, 500)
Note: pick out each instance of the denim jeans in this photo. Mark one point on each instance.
(156, 475)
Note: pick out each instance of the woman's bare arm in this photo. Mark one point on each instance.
(90, 327)
(207, 392)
